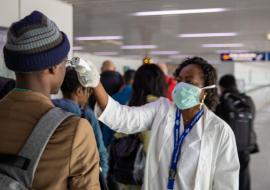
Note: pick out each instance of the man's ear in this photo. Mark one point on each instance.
(52, 70)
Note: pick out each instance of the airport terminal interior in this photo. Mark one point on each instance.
(232, 35)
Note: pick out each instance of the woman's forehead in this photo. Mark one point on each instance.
(191, 71)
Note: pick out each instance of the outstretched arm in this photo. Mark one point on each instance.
(101, 96)
(117, 117)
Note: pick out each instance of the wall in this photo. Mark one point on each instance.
(255, 75)
(261, 97)
(9, 10)
(61, 13)
(3, 70)
(250, 75)
(12, 10)
(224, 68)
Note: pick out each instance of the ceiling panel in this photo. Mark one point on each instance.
(249, 18)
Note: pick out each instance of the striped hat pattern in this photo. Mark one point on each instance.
(35, 43)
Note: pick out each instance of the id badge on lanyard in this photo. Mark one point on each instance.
(178, 141)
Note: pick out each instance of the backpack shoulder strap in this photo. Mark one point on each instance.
(233, 97)
(227, 95)
(36, 143)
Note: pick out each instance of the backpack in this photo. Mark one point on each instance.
(239, 112)
(127, 160)
(17, 171)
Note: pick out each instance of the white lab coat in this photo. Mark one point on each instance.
(209, 158)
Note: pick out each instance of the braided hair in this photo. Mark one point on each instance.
(209, 78)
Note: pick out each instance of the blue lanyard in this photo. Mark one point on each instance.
(178, 141)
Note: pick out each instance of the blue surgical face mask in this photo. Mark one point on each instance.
(187, 95)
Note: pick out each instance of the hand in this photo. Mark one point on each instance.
(87, 72)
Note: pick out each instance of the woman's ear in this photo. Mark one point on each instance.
(203, 95)
(79, 91)
(90, 91)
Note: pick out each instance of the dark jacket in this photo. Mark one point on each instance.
(222, 111)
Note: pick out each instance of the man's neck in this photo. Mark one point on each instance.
(33, 83)
(34, 88)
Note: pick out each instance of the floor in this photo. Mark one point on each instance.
(260, 162)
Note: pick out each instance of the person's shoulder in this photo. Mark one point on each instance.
(83, 129)
(90, 115)
(215, 122)
(171, 80)
(247, 97)
(165, 101)
(75, 122)
(72, 126)
(89, 111)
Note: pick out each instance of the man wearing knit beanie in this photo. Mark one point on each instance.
(36, 50)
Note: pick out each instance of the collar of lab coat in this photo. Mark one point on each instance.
(196, 134)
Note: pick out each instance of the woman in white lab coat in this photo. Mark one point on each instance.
(202, 155)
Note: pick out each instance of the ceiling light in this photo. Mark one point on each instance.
(165, 52)
(133, 56)
(91, 38)
(106, 53)
(199, 35)
(268, 36)
(181, 56)
(139, 47)
(232, 51)
(77, 48)
(222, 45)
(179, 12)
